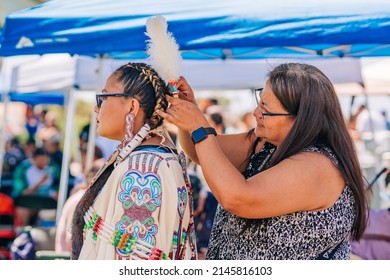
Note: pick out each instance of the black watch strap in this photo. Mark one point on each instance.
(202, 133)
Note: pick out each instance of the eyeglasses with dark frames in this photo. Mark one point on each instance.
(101, 97)
(258, 102)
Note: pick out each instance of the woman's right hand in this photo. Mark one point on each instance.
(185, 91)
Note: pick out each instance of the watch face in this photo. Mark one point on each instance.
(199, 135)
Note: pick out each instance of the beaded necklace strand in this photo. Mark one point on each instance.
(135, 142)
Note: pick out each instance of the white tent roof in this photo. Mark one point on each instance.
(35, 74)
(55, 72)
(225, 74)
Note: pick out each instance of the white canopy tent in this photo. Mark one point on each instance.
(38, 75)
(34, 75)
(59, 72)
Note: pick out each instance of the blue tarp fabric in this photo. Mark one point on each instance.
(221, 29)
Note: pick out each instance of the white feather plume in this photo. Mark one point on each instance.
(162, 49)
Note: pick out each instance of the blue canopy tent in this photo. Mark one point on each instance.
(219, 29)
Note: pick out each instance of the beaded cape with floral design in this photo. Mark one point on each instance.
(147, 192)
(300, 235)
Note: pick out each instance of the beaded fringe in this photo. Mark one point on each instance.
(127, 245)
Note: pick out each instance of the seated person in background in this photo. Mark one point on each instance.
(375, 243)
(216, 120)
(50, 129)
(369, 121)
(204, 219)
(98, 154)
(107, 146)
(52, 145)
(37, 180)
(205, 206)
(13, 155)
(29, 147)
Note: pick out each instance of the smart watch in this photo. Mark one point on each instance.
(201, 133)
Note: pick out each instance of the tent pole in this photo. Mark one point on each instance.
(375, 199)
(64, 180)
(3, 140)
(370, 122)
(92, 124)
(351, 107)
(91, 143)
(5, 98)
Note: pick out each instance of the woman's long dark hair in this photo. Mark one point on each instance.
(306, 92)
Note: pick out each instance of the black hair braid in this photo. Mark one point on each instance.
(160, 89)
(85, 202)
(161, 101)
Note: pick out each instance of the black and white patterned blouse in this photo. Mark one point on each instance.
(300, 235)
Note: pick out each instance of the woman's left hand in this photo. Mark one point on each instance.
(184, 114)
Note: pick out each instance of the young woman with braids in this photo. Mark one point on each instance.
(292, 187)
(139, 205)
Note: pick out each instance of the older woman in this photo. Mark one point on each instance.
(292, 187)
(139, 205)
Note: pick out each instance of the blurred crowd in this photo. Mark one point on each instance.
(32, 168)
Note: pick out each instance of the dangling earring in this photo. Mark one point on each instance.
(130, 119)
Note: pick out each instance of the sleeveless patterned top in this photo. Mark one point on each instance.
(295, 236)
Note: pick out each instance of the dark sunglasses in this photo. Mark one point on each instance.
(101, 97)
(258, 101)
